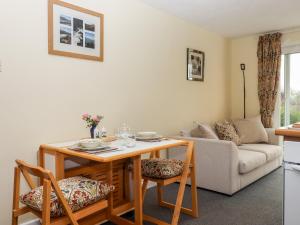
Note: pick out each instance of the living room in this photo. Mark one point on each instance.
(141, 80)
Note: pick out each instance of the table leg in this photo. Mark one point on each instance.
(110, 198)
(138, 203)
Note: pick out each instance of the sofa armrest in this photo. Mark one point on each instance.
(273, 139)
(216, 164)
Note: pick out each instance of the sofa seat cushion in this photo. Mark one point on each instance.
(250, 160)
(271, 151)
(162, 168)
(78, 191)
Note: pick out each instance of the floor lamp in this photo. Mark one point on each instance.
(243, 68)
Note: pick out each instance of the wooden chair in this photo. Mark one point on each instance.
(188, 172)
(49, 185)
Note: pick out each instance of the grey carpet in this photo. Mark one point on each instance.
(257, 204)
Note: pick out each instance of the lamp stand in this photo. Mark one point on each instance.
(243, 68)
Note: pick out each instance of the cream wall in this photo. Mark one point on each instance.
(142, 81)
(243, 50)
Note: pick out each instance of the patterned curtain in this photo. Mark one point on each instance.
(269, 58)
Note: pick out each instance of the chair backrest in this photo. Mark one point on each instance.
(27, 170)
(189, 153)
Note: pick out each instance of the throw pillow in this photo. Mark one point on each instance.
(251, 130)
(184, 133)
(227, 132)
(204, 131)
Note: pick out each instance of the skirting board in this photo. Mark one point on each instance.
(32, 222)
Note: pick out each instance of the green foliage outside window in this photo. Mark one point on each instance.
(294, 108)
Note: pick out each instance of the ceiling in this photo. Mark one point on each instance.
(234, 18)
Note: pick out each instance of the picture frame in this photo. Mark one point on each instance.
(75, 32)
(195, 65)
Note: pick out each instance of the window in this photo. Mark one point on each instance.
(290, 89)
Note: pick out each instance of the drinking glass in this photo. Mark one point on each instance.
(131, 141)
(123, 134)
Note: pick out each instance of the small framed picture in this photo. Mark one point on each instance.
(74, 31)
(195, 65)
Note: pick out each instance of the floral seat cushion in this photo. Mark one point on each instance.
(78, 191)
(162, 168)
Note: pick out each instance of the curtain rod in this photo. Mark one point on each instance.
(283, 31)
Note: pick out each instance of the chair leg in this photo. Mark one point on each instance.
(178, 204)
(16, 195)
(46, 202)
(14, 220)
(183, 180)
(144, 188)
(159, 194)
(194, 188)
(63, 201)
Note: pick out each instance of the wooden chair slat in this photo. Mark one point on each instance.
(28, 179)
(16, 194)
(33, 170)
(46, 202)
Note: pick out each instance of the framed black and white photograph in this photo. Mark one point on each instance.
(195, 65)
(75, 31)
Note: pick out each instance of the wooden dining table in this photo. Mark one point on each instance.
(116, 164)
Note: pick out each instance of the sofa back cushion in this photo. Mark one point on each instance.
(251, 130)
(204, 131)
(227, 132)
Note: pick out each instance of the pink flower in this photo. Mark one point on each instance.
(85, 116)
(91, 120)
(96, 119)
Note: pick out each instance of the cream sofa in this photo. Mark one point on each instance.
(224, 167)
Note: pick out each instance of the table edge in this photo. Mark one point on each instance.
(52, 149)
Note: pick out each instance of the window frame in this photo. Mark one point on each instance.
(287, 86)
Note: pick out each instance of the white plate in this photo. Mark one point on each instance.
(148, 138)
(80, 148)
(90, 143)
(293, 128)
(147, 134)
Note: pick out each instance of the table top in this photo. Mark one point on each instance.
(123, 152)
(288, 132)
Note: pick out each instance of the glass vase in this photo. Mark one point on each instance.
(92, 131)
